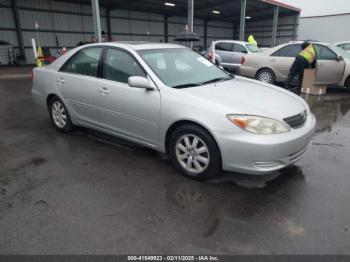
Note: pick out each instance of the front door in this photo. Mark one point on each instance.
(127, 111)
(329, 69)
(238, 51)
(77, 82)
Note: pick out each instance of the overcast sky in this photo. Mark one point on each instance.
(320, 7)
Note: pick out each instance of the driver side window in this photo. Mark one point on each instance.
(324, 53)
(119, 66)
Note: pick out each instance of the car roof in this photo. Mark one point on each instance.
(278, 47)
(231, 41)
(309, 41)
(344, 42)
(138, 45)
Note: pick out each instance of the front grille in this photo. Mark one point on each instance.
(297, 120)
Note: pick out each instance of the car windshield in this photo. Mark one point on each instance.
(340, 51)
(181, 67)
(253, 48)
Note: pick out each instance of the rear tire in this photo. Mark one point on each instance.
(59, 115)
(266, 75)
(194, 152)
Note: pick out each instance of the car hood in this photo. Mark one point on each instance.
(244, 96)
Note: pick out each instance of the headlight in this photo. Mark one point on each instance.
(259, 125)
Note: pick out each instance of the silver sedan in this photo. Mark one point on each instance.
(173, 100)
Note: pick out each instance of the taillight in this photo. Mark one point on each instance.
(243, 60)
(32, 74)
(210, 55)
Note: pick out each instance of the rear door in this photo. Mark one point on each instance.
(282, 60)
(329, 70)
(224, 50)
(77, 81)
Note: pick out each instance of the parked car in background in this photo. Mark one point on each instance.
(172, 99)
(7, 54)
(228, 53)
(273, 65)
(344, 45)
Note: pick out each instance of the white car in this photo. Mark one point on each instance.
(344, 45)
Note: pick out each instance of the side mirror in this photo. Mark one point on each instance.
(140, 82)
(244, 52)
(340, 58)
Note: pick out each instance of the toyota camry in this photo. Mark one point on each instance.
(171, 99)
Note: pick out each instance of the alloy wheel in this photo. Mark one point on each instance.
(192, 153)
(59, 114)
(265, 77)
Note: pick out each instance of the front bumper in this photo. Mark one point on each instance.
(249, 153)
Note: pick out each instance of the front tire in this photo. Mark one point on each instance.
(59, 115)
(195, 153)
(266, 75)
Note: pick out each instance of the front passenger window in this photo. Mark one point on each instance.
(324, 53)
(119, 66)
(84, 62)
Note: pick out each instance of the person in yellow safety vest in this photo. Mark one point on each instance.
(252, 41)
(305, 59)
(39, 59)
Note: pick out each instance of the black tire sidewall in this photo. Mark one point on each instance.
(215, 166)
(273, 77)
(69, 125)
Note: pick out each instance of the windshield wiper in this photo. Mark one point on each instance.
(187, 85)
(218, 79)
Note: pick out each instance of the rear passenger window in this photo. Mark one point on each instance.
(288, 51)
(119, 66)
(223, 46)
(85, 62)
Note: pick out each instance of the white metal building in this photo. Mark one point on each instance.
(65, 23)
(327, 28)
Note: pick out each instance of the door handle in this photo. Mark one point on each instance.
(104, 90)
(60, 80)
(273, 60)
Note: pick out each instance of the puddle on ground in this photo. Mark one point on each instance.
(329, 110)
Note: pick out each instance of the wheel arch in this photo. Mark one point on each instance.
(179, 123)
(49, 97)
(52, 95)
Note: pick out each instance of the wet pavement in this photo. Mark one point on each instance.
(82, 193)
